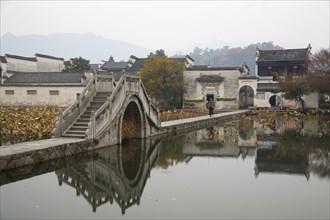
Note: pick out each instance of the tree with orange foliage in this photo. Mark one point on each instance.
(163, 80)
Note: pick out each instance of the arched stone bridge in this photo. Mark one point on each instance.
(104, 105)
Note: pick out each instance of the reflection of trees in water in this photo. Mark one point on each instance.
(319, 163)
(245, 128)
(314, 150)
(271, 122)
(304, 138)
(210, 133)
(171, 152)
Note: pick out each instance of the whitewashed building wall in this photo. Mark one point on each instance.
(261, 100)
(228, 88)
(21, 65)
(38, 95)
(49, 65)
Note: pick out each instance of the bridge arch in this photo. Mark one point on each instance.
(104, 105)
(132, 121)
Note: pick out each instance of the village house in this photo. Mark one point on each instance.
(221, 84)
(229, 87)
(42, 88)
(39, 63)
(218, 83)
(272, 62)
(38, 81)
(134, 65)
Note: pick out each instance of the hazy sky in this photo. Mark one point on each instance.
(175, 25)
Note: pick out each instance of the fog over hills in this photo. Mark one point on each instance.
(96, 48)
(69, 45)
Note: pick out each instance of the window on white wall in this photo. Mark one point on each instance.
(10, 92)
(54, 92)
(31, 92)
(260, 95)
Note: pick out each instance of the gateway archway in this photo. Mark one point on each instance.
(246, 96)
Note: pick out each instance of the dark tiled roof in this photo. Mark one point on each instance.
(117, 74)
(44, 77)
(267, 87)
(3, 59)
(248, 77)
(283, 55)
(181, 60)
(210, 78)
(21, 58)
(189, 57)
(49, 57)
(139, 64)
(134, 57)
(94, 66)
(114, 65)
(205, 67)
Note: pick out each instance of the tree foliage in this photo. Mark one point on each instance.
(158, 53)
(316, 78)
(163, 80)
(319, 71)
(294, 87)
(76, 65)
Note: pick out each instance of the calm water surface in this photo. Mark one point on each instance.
(230, 171)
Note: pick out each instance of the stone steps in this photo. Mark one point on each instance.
(79, 127)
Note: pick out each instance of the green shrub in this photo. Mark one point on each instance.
(194, 100)
(226, 98)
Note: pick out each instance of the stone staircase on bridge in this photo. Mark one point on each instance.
(79, 127)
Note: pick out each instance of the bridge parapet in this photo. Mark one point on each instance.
(108, 116)
(107, 111)
(105, 83)
(70, 114)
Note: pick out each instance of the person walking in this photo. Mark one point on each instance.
(210, 105)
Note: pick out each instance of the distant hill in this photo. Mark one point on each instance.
(231, 56)
(96, 49)
(70, 45)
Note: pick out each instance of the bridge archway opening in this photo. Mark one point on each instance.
(246, 96)
(132, 125)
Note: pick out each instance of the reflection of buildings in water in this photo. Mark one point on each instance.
(303, 126)
(267, 160)
(108, 177)
(224, 142)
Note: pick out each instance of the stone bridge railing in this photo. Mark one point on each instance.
(109, 112)
(66, 118)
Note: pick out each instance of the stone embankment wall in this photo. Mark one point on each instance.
(28, 153)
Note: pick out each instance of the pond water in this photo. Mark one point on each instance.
(239, 170)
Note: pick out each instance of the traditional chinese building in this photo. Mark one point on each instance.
(220, 84)
(39, 63)
(269, 63)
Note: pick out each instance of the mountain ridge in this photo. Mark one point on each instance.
(68, 45)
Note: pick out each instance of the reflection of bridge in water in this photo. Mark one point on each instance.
(116, 173)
